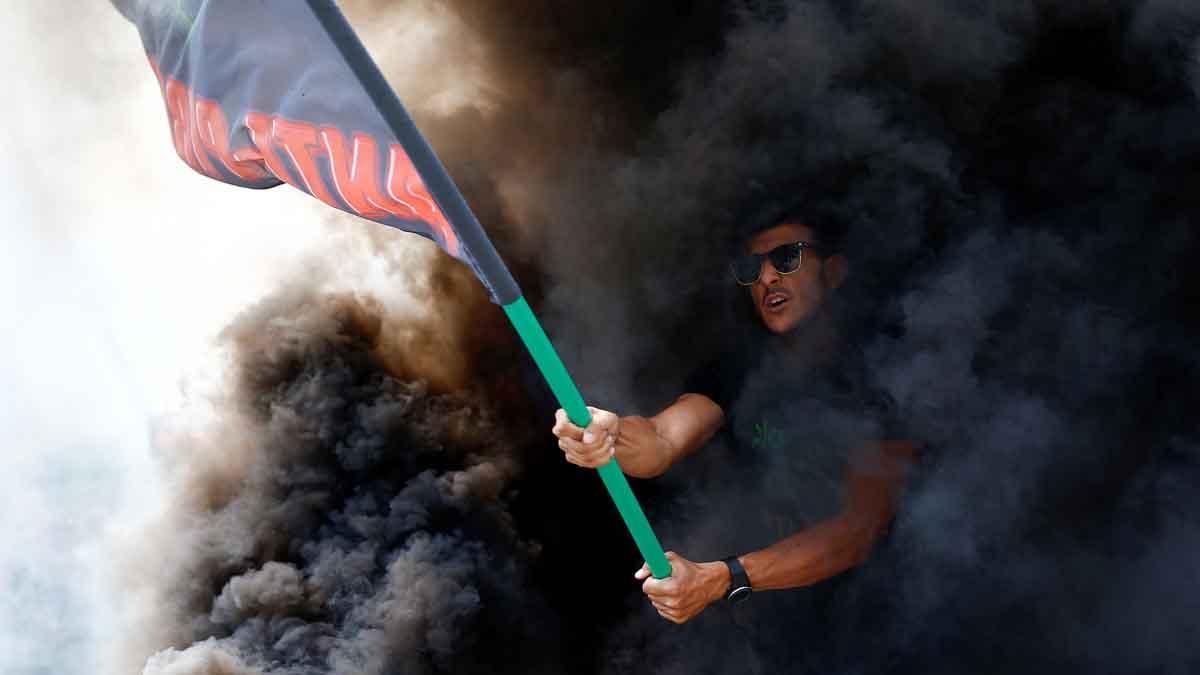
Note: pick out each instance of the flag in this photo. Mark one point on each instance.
(264, 92)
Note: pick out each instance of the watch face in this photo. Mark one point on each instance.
(739, 594)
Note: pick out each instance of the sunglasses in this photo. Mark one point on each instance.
(785, 258)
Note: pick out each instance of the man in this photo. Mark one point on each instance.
(792, 270)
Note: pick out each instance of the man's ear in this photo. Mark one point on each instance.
(834, 270)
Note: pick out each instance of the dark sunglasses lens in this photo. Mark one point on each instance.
(745, 268)
(786, 258)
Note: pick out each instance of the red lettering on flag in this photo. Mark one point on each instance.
(356, 173)
(212, 135)
(201, 133)
(403, 179)
(299, 141)
(178, 100)
(261, 136)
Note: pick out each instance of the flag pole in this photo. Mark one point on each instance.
(568, 396)
(491, 268)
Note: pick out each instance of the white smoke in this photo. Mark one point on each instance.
(118, 266)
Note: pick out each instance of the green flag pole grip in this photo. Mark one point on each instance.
(569, 397)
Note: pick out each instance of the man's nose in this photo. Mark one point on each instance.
(767, 274)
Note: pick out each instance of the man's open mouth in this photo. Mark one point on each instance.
(775, 300)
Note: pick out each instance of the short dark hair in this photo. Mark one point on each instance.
(827, 230)
(820, 198)
(826, 225)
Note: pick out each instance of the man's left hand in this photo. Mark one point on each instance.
(690, 588)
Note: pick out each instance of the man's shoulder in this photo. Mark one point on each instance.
(720, 377)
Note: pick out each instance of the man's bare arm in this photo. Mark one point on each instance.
(644, 446)
(873, 484)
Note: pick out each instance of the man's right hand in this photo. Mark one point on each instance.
(591, 447)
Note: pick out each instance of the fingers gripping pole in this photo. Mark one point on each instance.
(569, 397)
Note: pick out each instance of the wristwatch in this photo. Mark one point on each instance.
(739, 582)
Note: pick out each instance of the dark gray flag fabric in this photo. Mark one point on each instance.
(264, 92)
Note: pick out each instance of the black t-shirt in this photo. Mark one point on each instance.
(790, 429)
(777, 465)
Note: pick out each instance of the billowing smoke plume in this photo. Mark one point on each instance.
(337, 518)
(1018, 186)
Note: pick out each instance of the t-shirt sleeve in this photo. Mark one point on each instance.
(718, 379)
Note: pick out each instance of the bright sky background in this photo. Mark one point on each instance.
(118, 266)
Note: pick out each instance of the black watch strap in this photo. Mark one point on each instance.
(739, 581)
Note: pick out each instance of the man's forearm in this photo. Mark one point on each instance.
(644, 446)
(814, 554)
(833, 546)
(641, 451)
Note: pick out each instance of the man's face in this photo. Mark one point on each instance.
(785, 301)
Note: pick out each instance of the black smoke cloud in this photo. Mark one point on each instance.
(355, 521)
(1018, 186)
